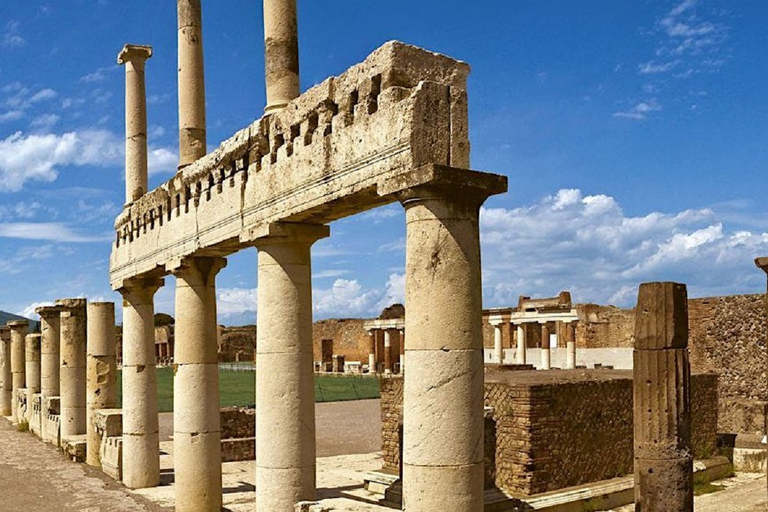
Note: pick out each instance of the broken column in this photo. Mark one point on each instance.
(192, 137)
(18, 368)
(570, 346)
(32, 368)
(196, 417)
(141, 442)
(663, 460)
(545, 352)
(134, 57)
(285, 393)
(101, 372)
(6, 377)
(521, 345)
(281, 56)
(72, 367)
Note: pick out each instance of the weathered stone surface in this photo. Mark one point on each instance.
(6, 377)
(661, 316)
(101, 380)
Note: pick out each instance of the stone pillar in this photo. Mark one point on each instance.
(545, 352)
(196, 416)
(570, 346)
(6, 377)
(18, 367)
(101, 388)
(134, 57)
(192, 143)
(72, 365)
(50, 341)
(498, 346)
(387, 352)
(281, 56)
(402, 351)
(663, 460)
(32, 369)
(285, 396)
(520, 356)
(372, 351)
(443, 389)
(141, 445)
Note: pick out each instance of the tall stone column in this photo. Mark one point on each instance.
(285, 396)
(387, 352)
(101, 371)
(196, 416)
(498, 346)
(545, 352)
(281, 59)
(371, 351)
(134, 57)
(32, 368)
(50, 342)
(18, 367)
(443, 389)
(72, 359)
(402, 351)
(521, 344)
(192, 136)
(141, 443)
(663, 460)
(6, 377)
(570, 346)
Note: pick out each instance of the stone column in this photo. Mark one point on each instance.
(545, 352)
(663, 460)
(196, 416)
(498, 346)
(141, 445)
(372, 351)
(387, 352)
(285, 396)
(101, 371)
(520, 356)
(134, 57)
(443, 389)
(72, 361)
(281, 59)
(50, 342)
(192, 143)
(6, 377)
(570, 346)
(18, 368)
(402, 351)
(32, 368)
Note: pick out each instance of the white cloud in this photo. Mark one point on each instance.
(11, 115)
(45, 121)
(323, 274)
(11, 38)
(235, 301)
(162, 160)
(586, 244)
(43, 95)
(640, 111)
(345, 298)
(653, 67)
(51, 231)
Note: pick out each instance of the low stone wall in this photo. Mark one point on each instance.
(546, 430)
(238, 431)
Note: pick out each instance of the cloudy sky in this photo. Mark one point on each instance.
(633, 134)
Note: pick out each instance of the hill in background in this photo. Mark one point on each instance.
(34, 325)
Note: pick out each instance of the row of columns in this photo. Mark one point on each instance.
(519, 340)
(389, 357)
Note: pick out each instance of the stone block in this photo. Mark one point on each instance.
(112, 456)
(74, 447)
(108, 422)
(664, 484)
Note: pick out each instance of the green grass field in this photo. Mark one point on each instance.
(237, 388)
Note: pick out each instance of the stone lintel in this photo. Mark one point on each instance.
(18, 324)
(762, 263)
(459, 181)
(661, 319)
(285, 230)
(134, 51)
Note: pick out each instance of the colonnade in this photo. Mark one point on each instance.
(382, 336)
(518, 339)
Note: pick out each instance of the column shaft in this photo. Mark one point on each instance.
(50, 341)
(521, 344)
(32, 368)
(281, 45)
(72, 359)
(192, 136)
(387, 352)
(570, 346)
(6, 377)
(402, 351)
(545, 352)
(443, 389)
(498, 346)
(101, 371)
(371, 351)
(141, 445)
(18, 367)
(196, 416)
(285, 397)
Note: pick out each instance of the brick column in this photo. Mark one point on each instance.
(663, 460)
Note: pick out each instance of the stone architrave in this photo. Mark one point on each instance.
(18, 367)
(32, 368)
(196, 417)
(192, 130)
(285, 396)
(663, 460)
(281, 59)
(72, 364)
(101, 372)
(6, 377)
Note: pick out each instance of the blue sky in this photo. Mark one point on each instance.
(632, 133)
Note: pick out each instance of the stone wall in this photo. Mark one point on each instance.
(237, 343)
(552, 426)
(238, 434)
(349, 338)
(604, 326)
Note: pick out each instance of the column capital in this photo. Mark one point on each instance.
(440, 181)
(18, 325)
(134, 52)
(207, 267)
(69, 304)
(47, 312)
(762, 263)
(140, 287)
(282, 232)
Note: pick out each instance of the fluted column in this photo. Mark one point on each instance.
(18, 367)
(192, 137)
(196, 416)
(141, 444)
(285, 397)
(101, 371)
(72, 364)
(134, 57)
(6, 377)
(545, 352)
(281, 55)
(662, 373)
(443, 388)
(521, 344)
(570, 346)
(32, 369)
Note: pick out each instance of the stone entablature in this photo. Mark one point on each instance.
(352, 141)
